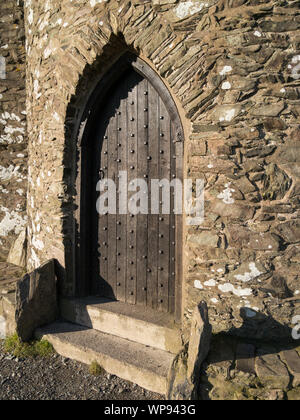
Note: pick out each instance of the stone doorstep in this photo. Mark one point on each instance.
(134, 323)
(134, 362)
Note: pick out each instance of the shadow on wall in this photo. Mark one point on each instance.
(263, 327)
(230, 370)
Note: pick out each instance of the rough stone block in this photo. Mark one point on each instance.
(233, 211)
(272, 372)
(276, 183)
(199, 344)
(205, 239)
(277, 287)
(289, 231)
(272, 110)
(294, 395)
(292, 359)
(36, 296)
(185, 372)
(290, 153)
(17, 254)
(264, 242)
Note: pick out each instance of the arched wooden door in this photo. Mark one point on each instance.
(136, 258)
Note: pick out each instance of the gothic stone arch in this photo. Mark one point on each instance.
(71, 103)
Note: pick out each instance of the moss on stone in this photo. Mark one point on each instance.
(15, 346)
(95, 369)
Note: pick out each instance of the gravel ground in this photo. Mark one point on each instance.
(57, 378)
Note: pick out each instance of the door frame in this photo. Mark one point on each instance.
(84, 197)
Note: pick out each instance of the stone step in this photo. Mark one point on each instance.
(142, 365)
(138, 324)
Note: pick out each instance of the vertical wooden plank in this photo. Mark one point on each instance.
(100, 285)
(164, 220)
(142, 173)
(122, 218)
(132, 175)
(153, 173)
(179, 239)
(112, 222)
(172, 276)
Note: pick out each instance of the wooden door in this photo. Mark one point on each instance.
(137, 258)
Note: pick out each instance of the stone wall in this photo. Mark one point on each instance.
(232, 67)
(13, 141)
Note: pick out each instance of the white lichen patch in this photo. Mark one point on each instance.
(93, 3)
(30, 17)
(12, 130)
(34, 261)
(8, 173)
(47, 52)
(36, 88)
(44, 22)
(56, 116)
(3, 190)
(225, 70)
(228, 115)
(12, 116)
(229, 288)
(47, 5)
(249, 276)
(226, 195)
(11, 133)
(295, 67)
(189, 8)
(13, 221)
(214, 301)
(38, 244)
(198, 285)
(226, 86)
(210, 283)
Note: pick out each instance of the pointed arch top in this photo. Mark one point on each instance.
(113, 74)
